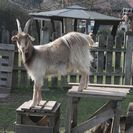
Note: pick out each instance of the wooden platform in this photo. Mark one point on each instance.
(43, 107)
(112, 109)
(39, 119)
(103, 92)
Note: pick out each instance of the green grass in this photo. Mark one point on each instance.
(86, 106)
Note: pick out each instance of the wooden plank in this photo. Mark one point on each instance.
(3, 75)
(116, 120)
(3, 82)
(49, 105)
(26, 106)
(45, 85)
(2, 96)
(7, 47)
(91, 76)
(20, 128)
(6, 68)
(63, 81)
(69, 118)
(96, 94)
(5, 90)
(54, 82)
(103, 89)
(15, 72)
(73, 78)
(104, 93)
(128, 59)
(109, 67)
(101, 59)
(97, 49)
(108, 89)
(4, 61)
(5, 53)
(81, 128)
(39, 107)
(42, 103)
(106, 85)
(75, 110)
(118, 43)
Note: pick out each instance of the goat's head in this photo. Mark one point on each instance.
(22, 38)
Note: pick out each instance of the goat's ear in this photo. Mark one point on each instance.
(31, 38)
(14, 38)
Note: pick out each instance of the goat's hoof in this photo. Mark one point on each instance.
(32, 104)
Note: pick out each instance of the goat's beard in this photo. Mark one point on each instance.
(27, 55)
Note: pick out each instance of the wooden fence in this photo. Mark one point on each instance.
(111, 65)
(6, 67)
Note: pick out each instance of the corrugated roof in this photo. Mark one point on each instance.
(75, 12)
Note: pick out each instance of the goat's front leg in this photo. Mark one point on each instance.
(34, 98)
(39, 95)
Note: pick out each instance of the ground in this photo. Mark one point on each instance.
(18, 96)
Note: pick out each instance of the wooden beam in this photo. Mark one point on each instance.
(69, 118)
(128, 59)
(94, 121)
(38, 30)
(75, 24)
(106, 85)
(116, 120)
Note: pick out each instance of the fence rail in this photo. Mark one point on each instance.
(108, 67)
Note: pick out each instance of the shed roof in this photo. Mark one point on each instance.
(76, 12)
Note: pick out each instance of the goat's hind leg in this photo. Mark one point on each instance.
(86, 81)
(83, 81)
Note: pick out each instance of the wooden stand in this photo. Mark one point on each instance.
(40, 119)
(112, 109)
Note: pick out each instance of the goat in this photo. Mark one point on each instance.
(69, 52)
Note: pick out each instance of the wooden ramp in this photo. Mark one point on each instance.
(6, 68)
(112, 109)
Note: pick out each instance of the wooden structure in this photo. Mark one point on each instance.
(6, 68)
(74, 13)
(42, 118)
(112, 109)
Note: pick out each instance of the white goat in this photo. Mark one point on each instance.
(67, 53)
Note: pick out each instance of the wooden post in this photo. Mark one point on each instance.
(101, 59)
(109, 59)
(128, 59)
(118, 69)
(75, 24)
(116, 120)
(69, 115)
(38, 30)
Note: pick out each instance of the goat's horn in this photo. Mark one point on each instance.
(19, 26)
(26, 28)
